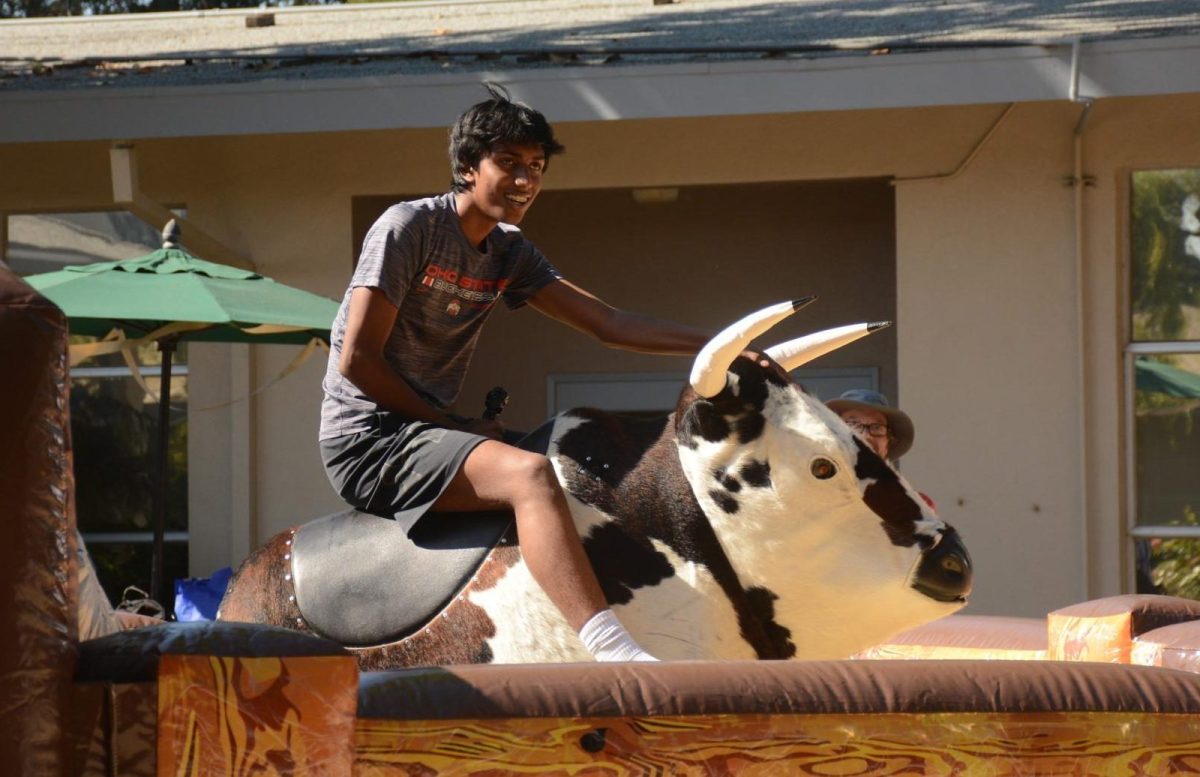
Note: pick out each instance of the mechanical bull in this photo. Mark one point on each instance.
(749, 523)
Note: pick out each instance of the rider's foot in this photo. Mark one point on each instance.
(607, 640)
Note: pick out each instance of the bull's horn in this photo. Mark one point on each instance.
(802, 350)
(708, 370)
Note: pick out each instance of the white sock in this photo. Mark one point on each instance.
(607, 640)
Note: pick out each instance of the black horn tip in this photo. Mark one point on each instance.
(799, 303)
(875, 326)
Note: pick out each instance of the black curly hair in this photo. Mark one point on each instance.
(485, 125)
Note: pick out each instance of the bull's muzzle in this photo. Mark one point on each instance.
(944, 571)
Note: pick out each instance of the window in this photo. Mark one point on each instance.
(114, 423)
(1162, 374)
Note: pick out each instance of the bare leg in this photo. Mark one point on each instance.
(496, 475)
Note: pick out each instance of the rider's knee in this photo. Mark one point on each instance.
(533, 474)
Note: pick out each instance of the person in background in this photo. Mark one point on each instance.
(888, 430)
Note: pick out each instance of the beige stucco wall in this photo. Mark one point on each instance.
(986, 294)
(990, 353)
(988, 348)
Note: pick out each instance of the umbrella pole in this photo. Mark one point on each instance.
(158, 586)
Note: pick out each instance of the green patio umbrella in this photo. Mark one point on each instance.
(1164, 379)
(170, 295)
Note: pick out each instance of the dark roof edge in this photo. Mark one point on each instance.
(370, 101)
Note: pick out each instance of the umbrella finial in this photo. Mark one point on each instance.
(170, 234)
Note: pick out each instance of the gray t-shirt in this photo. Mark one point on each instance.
(444, 288)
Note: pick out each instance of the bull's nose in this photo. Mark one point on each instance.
(944, 572)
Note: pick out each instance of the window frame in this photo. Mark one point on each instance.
(1133, 530)
(150, 373)
(1130, 350)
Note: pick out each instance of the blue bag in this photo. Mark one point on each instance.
(197, 598)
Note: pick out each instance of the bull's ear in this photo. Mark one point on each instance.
(802, 350)
(708, 370)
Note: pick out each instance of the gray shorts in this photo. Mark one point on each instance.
(399, 468)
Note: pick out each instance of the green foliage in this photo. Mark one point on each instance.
(1176, 565)
(1164, 277)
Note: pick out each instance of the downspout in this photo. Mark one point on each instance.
(1079, 182)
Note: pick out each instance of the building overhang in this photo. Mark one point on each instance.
(1108, 69)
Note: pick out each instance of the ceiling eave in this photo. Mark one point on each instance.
(1154, 66)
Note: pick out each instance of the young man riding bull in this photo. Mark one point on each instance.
(430, 272)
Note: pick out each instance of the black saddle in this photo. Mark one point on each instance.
(362, 580)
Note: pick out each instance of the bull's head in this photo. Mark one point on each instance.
(803, 507)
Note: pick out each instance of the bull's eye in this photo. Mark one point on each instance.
(823, 469)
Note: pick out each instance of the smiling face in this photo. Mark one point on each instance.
(504, 184)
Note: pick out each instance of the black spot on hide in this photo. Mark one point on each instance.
(887, 498)
(703, 420)
(623, 562)
(750, 427)
(650, 500)
(602, 452)
(756, 473)
(762, 604)
(724, 501)
(711, 419)
(729, 482)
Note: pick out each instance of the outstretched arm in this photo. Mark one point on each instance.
(564, 301)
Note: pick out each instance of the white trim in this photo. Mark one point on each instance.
(243, 487)
(1133, 529)
(1178, 346)
(611, 92)
(130, 537)
(147, 370)
(1131, 485)
(1165, 532)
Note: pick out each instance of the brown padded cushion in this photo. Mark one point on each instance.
(1104, 629)
(1146, 611)
(773, 687)
(132, 656)
(967, 636)
(1175, 647)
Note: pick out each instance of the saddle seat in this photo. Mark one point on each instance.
(360, 580)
